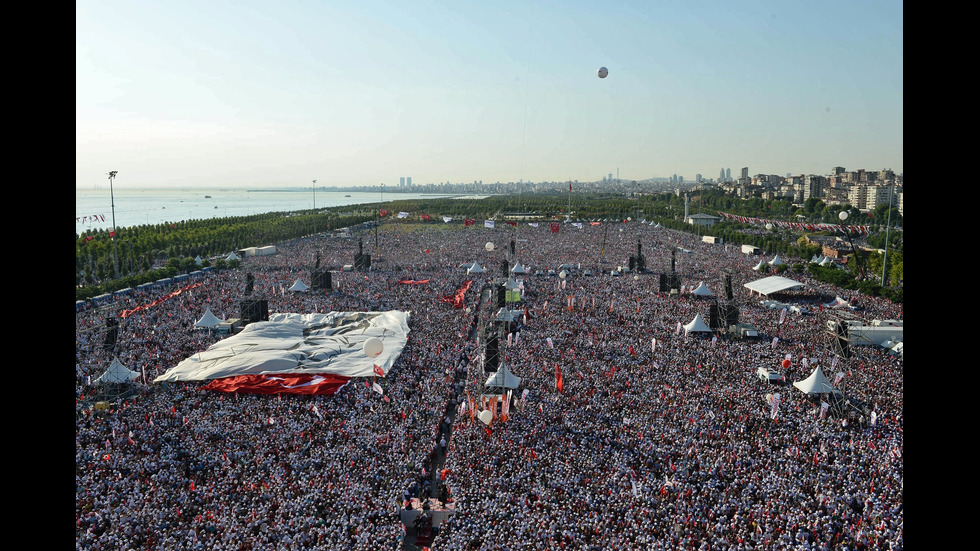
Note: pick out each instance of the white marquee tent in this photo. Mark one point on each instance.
(207, 320)
(697, 325)
(117, 373)
(773, 284)
(299, 286)
(702, 290)
(816, 383)
(475, 269)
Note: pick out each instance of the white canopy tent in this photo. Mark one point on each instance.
(208, 320)
(759, 266)
(475, 269)
(816, 383)
(776, 261)
(117, 373)
(502, 379)
(773, 284)
(299, 286)
(232, 256)
(702, 290)
(697, 325)
(518, 269)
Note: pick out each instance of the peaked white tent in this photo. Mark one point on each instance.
(697, 325)
(759, 266)
(518, 269)
(232, 256)
(117, 373)
(776, 261)
(207, 320)
(816, 383)
(197, 260)
(475, 269)
(502, 379)
(702, 290)
(299, 286)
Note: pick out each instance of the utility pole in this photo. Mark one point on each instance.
(314, 207)
(112, 201)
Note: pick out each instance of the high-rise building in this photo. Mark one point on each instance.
(401, 182)
(745, 172)
(408, 181)
(721, 176)
(728, 174)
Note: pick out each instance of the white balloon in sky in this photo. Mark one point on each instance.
(603, 72)
(489, 246)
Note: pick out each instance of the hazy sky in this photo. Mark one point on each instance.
(261, 93)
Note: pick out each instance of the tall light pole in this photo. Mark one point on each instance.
(314, 207)
(379, 220)
(112, 202)
(888, 228)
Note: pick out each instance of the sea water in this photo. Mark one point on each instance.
(95, 207)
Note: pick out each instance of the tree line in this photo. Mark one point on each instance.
(149, 252)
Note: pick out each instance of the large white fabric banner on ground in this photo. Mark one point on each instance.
(301, 344)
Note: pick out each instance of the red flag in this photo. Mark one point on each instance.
(112, 233)
(468, 222)
(513, 224)
(632, 352)
(534, 455)
(554, 227)
(569, 186)
(558, 381)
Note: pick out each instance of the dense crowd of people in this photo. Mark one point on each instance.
(657, 439)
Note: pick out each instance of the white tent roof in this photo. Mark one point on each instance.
(503, 378)
(826, 260)
(475, 269)
(197, 260)
(117, 373)
(207, 320)
(511, 285)
(759, 266)
(702, 290)
(697, 325)
(299, 286)
(773, 284)
(776, 261)
(518, 269)
(816, 383)
(232, 256)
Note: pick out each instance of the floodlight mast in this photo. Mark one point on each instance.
(112, 202)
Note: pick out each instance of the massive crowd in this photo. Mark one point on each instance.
(658, 439)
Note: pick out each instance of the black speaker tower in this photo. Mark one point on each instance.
(111, 334)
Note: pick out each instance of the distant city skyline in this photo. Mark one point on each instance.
(186, 94)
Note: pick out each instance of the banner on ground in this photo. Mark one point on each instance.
(290, 345)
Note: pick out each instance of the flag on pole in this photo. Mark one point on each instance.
(653, 345)
(558, 381)
(468, 222)
(488, 224)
